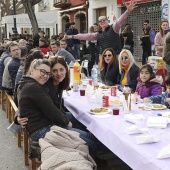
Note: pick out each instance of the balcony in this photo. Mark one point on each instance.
(61, 4)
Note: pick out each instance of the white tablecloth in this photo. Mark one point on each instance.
(110, 130)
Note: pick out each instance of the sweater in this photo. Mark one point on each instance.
(37, 106)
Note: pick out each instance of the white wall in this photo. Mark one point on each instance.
(110, 6)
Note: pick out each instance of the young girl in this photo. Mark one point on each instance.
(148, 85)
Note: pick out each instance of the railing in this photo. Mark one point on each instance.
(61, 1)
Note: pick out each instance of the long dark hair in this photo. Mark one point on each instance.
(149, 69)
(64, 85)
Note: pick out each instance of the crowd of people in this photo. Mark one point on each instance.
(35, 72)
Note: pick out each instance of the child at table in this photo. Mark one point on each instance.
(148, 85)
(163, 98)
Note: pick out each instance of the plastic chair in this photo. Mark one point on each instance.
(84, 66)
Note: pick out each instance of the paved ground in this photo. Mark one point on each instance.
(11, 157)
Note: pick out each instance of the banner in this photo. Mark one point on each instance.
(122, 2)
(164, 11)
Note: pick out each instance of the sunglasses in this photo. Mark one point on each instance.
(125, 58)
(102, 20)
(107, 55)
(145, 24)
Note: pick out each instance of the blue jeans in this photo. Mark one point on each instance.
(86, 136)
(77, 50)
(75, 123)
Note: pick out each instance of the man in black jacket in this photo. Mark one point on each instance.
(37, 37)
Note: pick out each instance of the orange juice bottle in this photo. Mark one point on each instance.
(77, 72)
(136, 97)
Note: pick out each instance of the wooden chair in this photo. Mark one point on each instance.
(3, 99)
(8, 107)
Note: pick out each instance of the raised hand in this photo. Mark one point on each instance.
(131, 6)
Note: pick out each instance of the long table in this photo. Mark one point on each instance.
(111, 131)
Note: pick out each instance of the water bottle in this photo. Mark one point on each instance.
(94, 76)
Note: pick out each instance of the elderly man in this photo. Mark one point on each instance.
(108, 36)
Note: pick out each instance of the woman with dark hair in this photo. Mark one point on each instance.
(46, 102)
(127, 38)
(43, 45)
(109, 68)
(148, 85)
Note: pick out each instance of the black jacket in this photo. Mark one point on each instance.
(109, 77)
(36, 104)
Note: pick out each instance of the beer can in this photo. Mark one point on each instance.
(105, 101)
(113, 91)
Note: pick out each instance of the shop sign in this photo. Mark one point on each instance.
(122, 2)
(164, 10)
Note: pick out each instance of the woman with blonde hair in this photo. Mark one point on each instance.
(109, 67)
(128, 70)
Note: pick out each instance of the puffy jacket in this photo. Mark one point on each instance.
(151, 88)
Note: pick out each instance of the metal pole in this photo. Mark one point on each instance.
(14, 14)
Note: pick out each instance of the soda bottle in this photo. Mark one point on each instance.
(76, 68)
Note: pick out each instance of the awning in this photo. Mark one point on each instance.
(72, 9)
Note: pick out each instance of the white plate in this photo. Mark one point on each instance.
(101, 113)
(161, 108)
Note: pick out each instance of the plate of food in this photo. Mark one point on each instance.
(105, 87)
(100, 111)
(111, 102)
(158, 107)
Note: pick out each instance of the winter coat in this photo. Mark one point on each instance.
(131, 77)
(63, 149)
(13, 69)
(146, 44)
(166, 49)
(3, 61)
(151, 88)
(37, 106)
(161, 99)
(109, 77)
(70, 42)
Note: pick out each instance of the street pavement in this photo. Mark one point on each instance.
(11, 157)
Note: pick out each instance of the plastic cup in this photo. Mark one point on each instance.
(116, 109)
(82, 92)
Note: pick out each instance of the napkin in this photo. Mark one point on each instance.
(146, 139)
(164, 152)
(157, 122)
(133, 118)
(135, 130)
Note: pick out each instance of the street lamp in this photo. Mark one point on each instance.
(14, 16)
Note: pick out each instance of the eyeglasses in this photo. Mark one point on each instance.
(102, 20)
(43, 73)
(125, 58)
(145, 24)
(107, 55)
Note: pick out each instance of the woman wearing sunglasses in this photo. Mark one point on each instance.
(128, 70)
(109, 67)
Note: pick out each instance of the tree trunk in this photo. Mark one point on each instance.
(29, 9)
